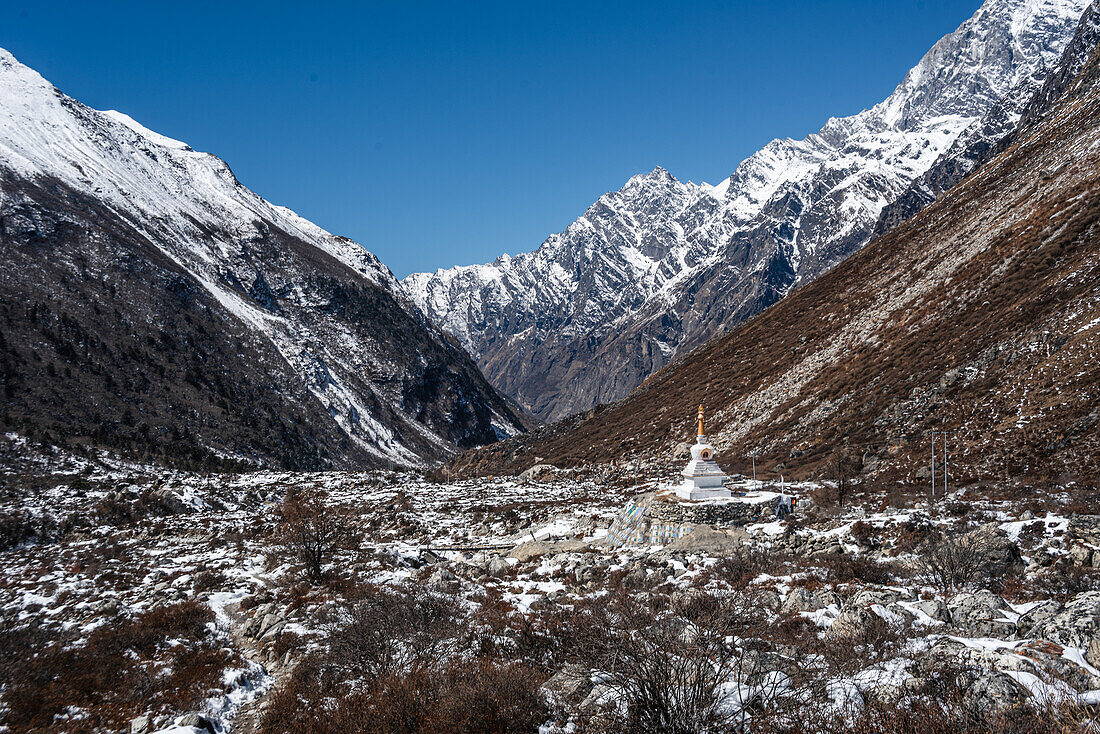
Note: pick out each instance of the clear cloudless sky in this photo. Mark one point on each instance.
(446, 133)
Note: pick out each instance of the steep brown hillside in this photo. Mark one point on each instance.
(980, 315)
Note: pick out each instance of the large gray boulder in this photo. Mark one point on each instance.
(537, 473)
(705, 539)
(1042, 612)
(1077, 625)
(982, 614)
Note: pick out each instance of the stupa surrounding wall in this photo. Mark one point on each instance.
(661, 518)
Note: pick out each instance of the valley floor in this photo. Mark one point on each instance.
(144, 600)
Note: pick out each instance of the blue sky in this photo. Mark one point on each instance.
(444, 133)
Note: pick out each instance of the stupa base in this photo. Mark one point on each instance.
(691, 492)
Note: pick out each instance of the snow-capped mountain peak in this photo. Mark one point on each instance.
(660, 266)
(296, 288)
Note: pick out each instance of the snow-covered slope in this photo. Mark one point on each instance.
(316, 320)
(661, 266)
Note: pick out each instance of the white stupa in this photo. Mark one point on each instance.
(703, 479)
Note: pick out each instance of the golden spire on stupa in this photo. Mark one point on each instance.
(701, 431)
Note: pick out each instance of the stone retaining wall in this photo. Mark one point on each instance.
(650, 519)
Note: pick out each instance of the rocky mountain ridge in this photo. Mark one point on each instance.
(977, 317)
(151, 301)
(661, 266)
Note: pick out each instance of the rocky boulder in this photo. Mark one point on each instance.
(537, 473)
(705, 539)
(1077, 625)
(1038, 614)
(982, 614)
(531, 550)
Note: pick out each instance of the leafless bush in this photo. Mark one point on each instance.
(388, 632)
(1063, 583)
(311, 530)
(956, 561)
(669, 671)
(207, 580)
(843, 466)
(846, 568)
(745, 563)
(399, 661)
(166, 657)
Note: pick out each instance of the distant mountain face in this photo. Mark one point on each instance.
(661, 266)
(151, 302)
(979, 316)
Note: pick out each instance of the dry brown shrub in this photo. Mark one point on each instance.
(846, 568)
(956, 561)
(47, 675)
(311, 530)
(483, 697)
(745, 563)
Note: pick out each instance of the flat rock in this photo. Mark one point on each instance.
(537, 548)
(705, 539)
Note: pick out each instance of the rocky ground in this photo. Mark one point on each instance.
(497, 605)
